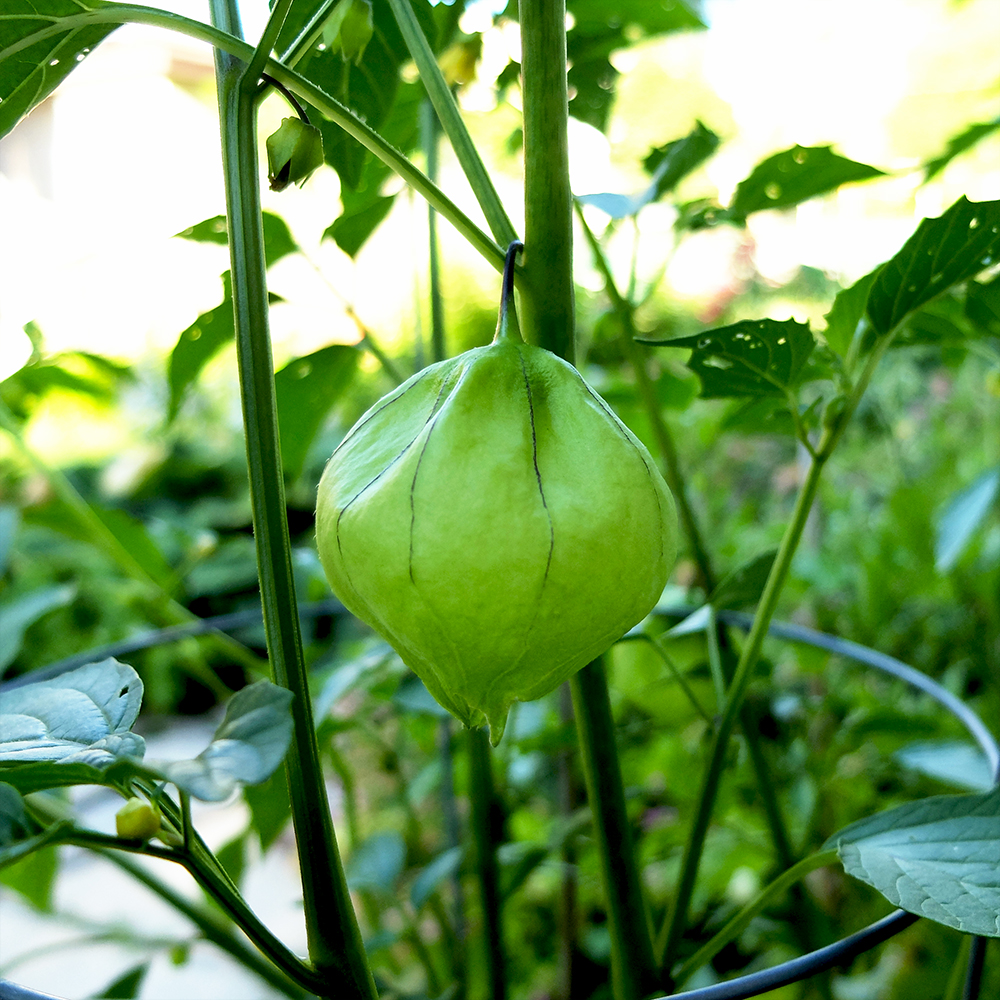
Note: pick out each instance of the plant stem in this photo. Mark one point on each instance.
(673, 928)
(632, 970)
(647, 392)
(441, 97)
(487, 870)
(547, 308)
(338, 113)
(741, 921)
(429, 129)
(211, 927)
(335, 944)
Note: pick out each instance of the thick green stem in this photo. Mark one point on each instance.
(547, 308)
(335, 944)
(485, 858)
(633, 973)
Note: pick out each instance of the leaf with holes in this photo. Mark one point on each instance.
(41, 43)
(938, 858)
(81, 717)
(752, 358)
(795, 175)
(942, 252)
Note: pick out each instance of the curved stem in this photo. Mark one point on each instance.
(451, 120)
(332, 929)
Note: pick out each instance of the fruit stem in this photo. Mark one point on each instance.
(507, 325)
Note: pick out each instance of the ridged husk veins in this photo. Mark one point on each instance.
(497, 524)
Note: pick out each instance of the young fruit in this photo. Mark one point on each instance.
(496, 523)
(137, 820)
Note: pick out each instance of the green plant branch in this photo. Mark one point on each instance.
(429, 129)
(335, 945)
(309, 35)
(338, 113)
(208, 923)
(647, 392)
(482, 794)
(547, 315)
(673, 927)
(451, 120)
(251, 75)
(741, 921)
(633, 972)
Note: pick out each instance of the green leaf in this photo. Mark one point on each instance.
(671, 163)
(938, 858)
(80, 717)
(270, 807)
(750, 358)
(306, 389)
(30, 74)
(377, 862)
(248, 746)
(20, 612)
(847, 312)
(36, 777)
(955, 762)
(426, 883)
(964, 513)
(14, 823)
(364, 202)
(34, 876)
(744, 585)
(982, 305)
(958, 144)
(942, 252)
(125, 987)
(278, 239)
(793, 176)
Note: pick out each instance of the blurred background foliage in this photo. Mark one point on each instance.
(124, 501)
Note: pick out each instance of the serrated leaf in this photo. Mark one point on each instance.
(81, 717)
(247, 748)
(18, 614)
(954, 762)
(958, 144)
(751, 358)
(793, 176)
(942, 252)
(426, 883)
(745, 584)
(938, 858)
(377, 862)
(278, 239)
(846, 313)
(306, 389)
(964, 513)
(29, 74)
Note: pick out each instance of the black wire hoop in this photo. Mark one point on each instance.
(755, 984)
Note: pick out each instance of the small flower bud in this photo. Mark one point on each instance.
(293, 153)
